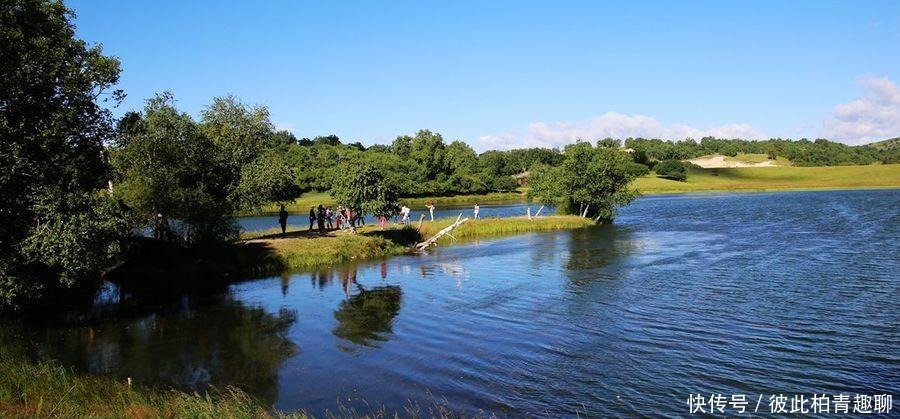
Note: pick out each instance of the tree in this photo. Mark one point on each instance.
(460, 158)
(53, 129)
(609, 143)
(363, 188)
(327, 140)
(268, 178)
(671, 169)
(591, 181)
(238, 130)
(166, 167)
(427, 152)
(402, 146)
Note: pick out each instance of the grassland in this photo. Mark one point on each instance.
(775, 178)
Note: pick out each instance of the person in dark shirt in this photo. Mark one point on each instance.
(320, 216)
(282, 219)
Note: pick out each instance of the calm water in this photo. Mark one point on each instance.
(793, 293)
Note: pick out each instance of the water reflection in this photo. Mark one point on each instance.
(367, 317)
(220, 342)
(597, 253)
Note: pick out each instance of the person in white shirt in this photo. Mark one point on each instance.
(430, 207)
(476, 210)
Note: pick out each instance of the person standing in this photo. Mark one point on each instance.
(329, 218)
(312, 217)
(477, 208)
(404, 212)
(282, 219)
(430, 207)
(320, 217)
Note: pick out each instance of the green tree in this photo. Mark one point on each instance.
(402, 146)
(461, 159)
(671, 169)
(428, 153)
(166, 167)
(609, 143)
(238, 130)
(53, 130)
(591, 181)
(364, 188)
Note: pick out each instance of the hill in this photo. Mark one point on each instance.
(890, 144)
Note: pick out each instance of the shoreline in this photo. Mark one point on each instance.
(301, 250)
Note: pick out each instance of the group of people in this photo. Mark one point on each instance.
(343, 218)
(330, 219)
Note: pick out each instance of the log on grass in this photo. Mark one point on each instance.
(446, 230)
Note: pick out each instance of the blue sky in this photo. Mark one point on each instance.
(515, 73)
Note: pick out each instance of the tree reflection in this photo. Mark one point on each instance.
(224, 343)
(366, 317)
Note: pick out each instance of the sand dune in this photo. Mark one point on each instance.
(717, 162)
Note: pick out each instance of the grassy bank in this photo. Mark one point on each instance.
(775, 178)
(48, 390)
(299, 250)
(496, 227)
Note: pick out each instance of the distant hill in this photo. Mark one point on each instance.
(891, 144)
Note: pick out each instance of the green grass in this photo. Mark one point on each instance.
(775, 178)
(46, 389)
(301, 251)
(495, 227)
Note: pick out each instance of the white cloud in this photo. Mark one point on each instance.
(610, 124)
(874, 116)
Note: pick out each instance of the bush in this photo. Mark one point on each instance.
(637, 169)
(671, 169)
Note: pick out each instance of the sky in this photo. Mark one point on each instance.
(507, 74)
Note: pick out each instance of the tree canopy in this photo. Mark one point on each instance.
(55, 229)
(591, 181)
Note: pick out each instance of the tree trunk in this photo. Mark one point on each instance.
(423, 245)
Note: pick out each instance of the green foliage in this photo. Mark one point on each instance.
(199, 175)
(166, 166)
(364, 188)
(671, 169)
(803, 152)
(53, 161)
(590, 181)
(268, 178)
(637, 170)
(609, 143)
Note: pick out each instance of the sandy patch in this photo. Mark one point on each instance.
(718, 162)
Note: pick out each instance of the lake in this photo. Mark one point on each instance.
(755, 294)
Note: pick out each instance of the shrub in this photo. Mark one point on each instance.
(671, 169)
(637, 169)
